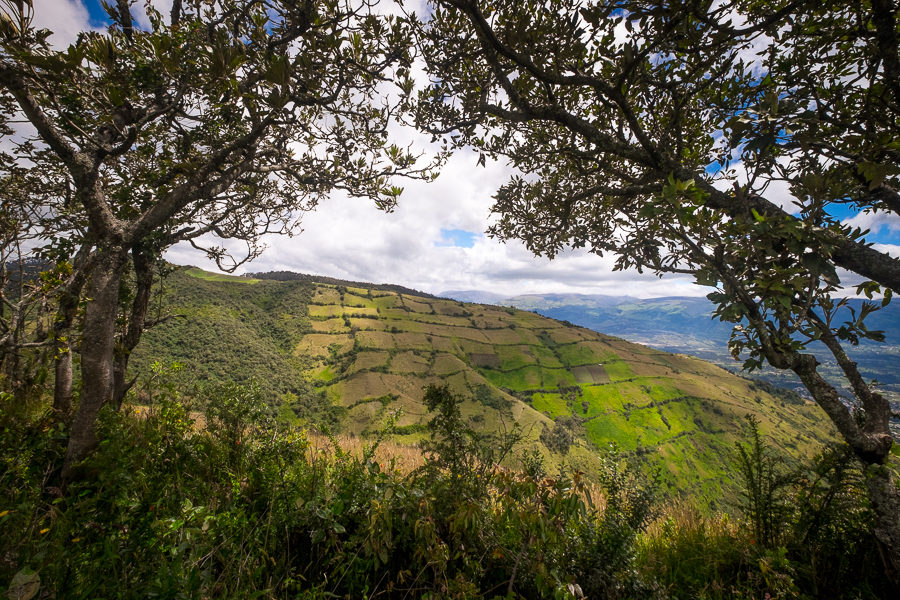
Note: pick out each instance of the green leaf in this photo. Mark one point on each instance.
(875, 173)
(24, 585)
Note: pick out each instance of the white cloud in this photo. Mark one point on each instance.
(890, 249)
(875, 222)
(65, 18)
(350, 238)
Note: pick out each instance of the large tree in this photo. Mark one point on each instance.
(721, 139)
(221, 120)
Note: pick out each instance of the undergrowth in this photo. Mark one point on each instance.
(241, 508)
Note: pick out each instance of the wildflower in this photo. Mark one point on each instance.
(76, 540)
(4, 513)
(44, 530)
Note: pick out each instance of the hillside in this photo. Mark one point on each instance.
(685, 325)
(350, 356)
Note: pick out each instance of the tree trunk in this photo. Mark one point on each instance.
(872, 445)
(13, 368)
(62, 384)
(62, 326)
(143, 271)
(97, 347)
(885, 498)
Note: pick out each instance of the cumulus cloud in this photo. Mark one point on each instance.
(350, 238)
(65, 18)
(876, 223)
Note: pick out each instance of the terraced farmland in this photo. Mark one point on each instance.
(367, 353)
(664, 407)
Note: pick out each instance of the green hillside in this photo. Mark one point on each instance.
(351, 356)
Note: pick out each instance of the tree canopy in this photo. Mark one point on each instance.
(223, 120)
(724, 140)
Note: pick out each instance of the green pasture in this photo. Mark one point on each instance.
(611, 428)
(550, 403)
(617, 370)
(514, 357)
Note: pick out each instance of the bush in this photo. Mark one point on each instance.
(764, 486)
(806, 534)
(242, 508)
(561, 436)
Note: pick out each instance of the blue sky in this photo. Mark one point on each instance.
(458, 238)
(98, 15)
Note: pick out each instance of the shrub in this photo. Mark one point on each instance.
(241, 507)
(764, 485)
(807, 534)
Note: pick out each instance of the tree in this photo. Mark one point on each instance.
(718, 139)
(224, 120)
(28, 332)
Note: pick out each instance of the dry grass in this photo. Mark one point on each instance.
(403, 458)
(142, 411)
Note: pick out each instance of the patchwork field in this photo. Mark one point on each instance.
(607, 391)
(366, 353)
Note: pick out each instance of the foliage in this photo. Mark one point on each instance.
(453, 445)
(764, 480)
(605, 560)
(222, 120)
(235, 333)
(243, 507)
(832, 526)
(821, 541)
(559, 438)
(720, 140)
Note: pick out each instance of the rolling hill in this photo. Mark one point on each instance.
(353, 355)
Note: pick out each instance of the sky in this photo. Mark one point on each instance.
(433, 241)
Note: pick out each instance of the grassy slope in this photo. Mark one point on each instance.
(370, 352)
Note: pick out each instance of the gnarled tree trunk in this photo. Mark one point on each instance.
(64, 379)
(884, 495)
(871, 443)
(97, 349)
(142, 258)
(62, 327)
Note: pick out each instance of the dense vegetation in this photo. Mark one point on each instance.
(230, 504)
